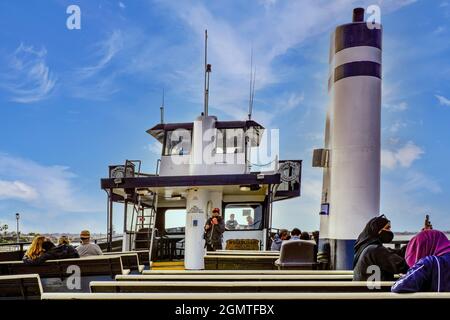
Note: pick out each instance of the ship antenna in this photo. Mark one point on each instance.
(253, 91)
(251, 84)
(162, 108)
(252, 87)
(207, 72)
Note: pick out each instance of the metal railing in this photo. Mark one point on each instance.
(13, 246)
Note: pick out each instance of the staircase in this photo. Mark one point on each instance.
(145, 221)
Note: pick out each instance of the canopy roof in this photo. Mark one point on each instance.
(254, 129)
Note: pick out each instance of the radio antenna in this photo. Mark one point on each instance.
(252, 87)
(162, 108)
(207, 72)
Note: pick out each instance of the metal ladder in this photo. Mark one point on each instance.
(145, 223)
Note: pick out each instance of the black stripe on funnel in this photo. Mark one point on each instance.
(357, 68)
(356, 35)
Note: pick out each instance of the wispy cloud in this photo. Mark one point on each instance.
(396, 107)
(443, 100)
(17, 190)
(401, 157)
(28, 78)
(46, 187)
(98, 80)
(105, 50)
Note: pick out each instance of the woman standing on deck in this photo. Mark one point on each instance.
(214, 229)
(369, 252)
(428, 255)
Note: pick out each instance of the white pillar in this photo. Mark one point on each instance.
(194, 246)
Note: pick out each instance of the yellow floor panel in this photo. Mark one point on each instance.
(168, 265)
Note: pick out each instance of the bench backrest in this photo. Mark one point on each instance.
(244, 286)
(239, 262)
(230, 277)
(296, 252)
(130, 260)
(21, 287)
(244, 272)
(89, 266)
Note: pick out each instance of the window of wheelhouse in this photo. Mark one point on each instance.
(175, 221)
(246, 216)
(178, 142)
(230, 140)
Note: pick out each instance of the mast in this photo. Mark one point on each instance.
(162, 108)
(207, 72)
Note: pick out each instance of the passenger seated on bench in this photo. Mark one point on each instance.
(278, 240)
(369, 251)
(48, 244)
(63, 251)
(35, 251)
(295, 234)
(232, 224)
(428, 255)
(86, 248)
(305, 236)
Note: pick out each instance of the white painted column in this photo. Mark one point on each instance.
(194, 246)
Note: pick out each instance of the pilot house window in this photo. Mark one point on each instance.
(230, 141)
(178, 142)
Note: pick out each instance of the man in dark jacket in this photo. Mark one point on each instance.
(214, 229)
(371, 254)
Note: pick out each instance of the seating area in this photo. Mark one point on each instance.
(108, 265)
(127, 279)
(21, 287)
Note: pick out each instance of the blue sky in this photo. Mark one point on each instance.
(74, 101)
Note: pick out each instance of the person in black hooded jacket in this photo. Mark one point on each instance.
(369, 252)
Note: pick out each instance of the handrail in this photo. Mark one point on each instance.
(13, 244)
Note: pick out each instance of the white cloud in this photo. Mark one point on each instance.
(293, 101)
(105, 50)
(443, 100)
(272, 28)
(98, 80)
(397, 125)
(155, 148)
(28, 78)
(122, 5)
(17, 190)
(402, 157)
(417, 181)
(396, 107)
(45, 187)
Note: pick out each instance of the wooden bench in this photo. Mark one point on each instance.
(143, 255)
(244, 272)
(240, 262)
(242, 253)
(372, 297)
(20, 287)
(130, 260)
(89, 266)
(230, 277)
(236, 287)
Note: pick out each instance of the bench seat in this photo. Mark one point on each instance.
(239, 277)
(89, 266)
(257, 296)
(236, 287)
(236, 272)
(20, 287)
